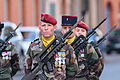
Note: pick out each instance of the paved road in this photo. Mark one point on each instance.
(111, 69)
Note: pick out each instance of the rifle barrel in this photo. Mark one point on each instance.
(17, 26)
(96, 27)
(12, 33)
(104, 37)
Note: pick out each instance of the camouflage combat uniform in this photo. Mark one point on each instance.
(69, 64)
(9, 63)
(100, 65)
(89, 64)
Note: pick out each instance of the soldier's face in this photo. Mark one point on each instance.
(80, 31)
(64, 29)
(47, 29)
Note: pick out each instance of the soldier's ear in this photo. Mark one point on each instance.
(39, 26)
(55, 26)
(62, 30)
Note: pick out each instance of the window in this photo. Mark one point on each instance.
(108, 14)
(84, 5)
(43, 6)
(52, 9)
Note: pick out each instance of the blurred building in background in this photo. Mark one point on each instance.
(90, 9)
(112, 11)
(28, 11)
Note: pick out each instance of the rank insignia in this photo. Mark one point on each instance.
(67, 19)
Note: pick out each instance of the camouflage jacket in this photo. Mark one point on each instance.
(100, 68)
(89, 64)
(64, 63)
(9, 62)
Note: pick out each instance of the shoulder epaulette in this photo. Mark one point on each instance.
(35, 40)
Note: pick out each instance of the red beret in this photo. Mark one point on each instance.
(48, 18)
(83, 25)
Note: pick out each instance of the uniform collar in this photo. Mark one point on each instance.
(70, 40)
(46, 41)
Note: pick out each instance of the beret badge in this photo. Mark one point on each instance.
(67, 19)
(42, 18)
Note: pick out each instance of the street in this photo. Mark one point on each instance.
(111, 68)
(111, 71)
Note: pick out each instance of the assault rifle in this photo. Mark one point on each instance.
(81, 41)
(45, 58)
(4, 43)
(100, 59)
(102, 39)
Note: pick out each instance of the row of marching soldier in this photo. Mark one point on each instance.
(67, 63)
(52, 57)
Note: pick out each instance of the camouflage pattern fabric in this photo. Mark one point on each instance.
(89, 64)
(99, 65)
(6, 67)
(61, 69)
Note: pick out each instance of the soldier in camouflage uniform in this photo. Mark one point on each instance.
(9, 60)
(94, 62)
(85, 56)
(62, 61)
